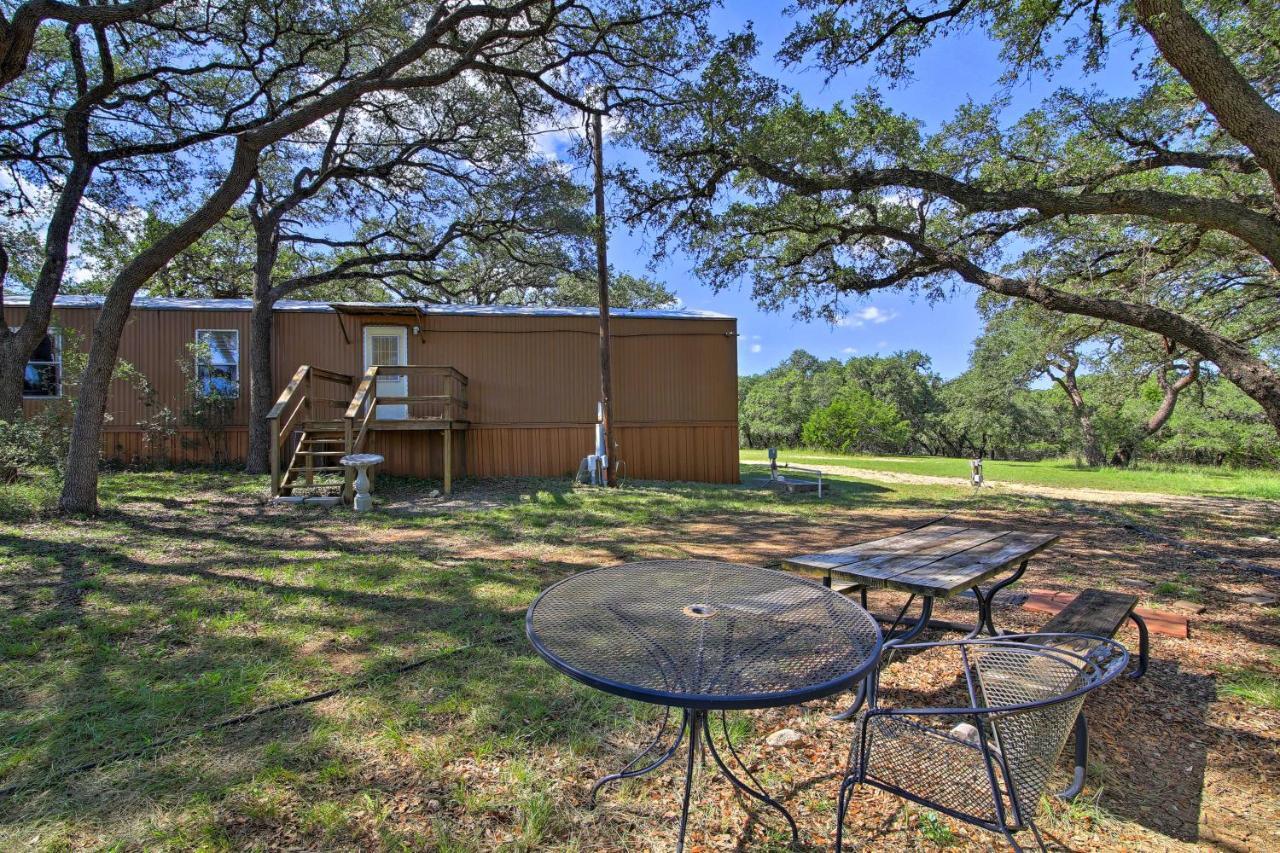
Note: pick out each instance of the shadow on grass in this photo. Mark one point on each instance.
(138, 648)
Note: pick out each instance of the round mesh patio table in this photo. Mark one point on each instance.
(701, 637)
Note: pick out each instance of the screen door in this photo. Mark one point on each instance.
(388, 345)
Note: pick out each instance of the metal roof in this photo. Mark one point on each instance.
(160, 303)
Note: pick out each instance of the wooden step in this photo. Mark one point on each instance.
(321, 453)
(318, 469)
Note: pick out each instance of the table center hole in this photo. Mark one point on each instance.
(699, 611)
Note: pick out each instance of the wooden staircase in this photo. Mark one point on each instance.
(312, 470)
(314, 467)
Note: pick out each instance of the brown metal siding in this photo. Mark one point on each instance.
(534, 384)
(79, 323)
(153, 342)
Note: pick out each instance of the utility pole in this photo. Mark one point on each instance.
(602, 278)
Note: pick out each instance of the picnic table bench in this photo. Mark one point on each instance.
(936, 560)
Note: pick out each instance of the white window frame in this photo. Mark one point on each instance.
(199, 382)
(57, 350)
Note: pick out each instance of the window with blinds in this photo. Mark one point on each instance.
(218, 362)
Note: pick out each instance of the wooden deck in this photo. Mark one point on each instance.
(322, 441)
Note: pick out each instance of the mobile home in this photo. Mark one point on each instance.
(486, 391)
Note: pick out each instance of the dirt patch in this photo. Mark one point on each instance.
(1102, 496)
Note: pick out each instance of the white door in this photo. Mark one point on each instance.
(388, 345)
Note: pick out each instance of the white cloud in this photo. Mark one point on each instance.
(881, 344)
(756, 347)
(870, 314)
(850, 350)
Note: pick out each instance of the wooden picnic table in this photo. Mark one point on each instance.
(937, 560)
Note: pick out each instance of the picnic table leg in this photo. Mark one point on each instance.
(1144, 645)
(985, 600)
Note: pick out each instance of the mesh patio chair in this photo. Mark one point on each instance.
(987, 759)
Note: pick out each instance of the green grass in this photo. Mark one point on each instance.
(934, 829)
(187, 602)
(1254, 686)
(1195, 480)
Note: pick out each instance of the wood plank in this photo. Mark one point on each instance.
(1094, 611)
(1158, 621)
(888, 546)
(963, 570)
(448, 462)
(920, 561)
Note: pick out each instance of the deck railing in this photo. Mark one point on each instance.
(448, 405)
(357, 411)
(300, 400)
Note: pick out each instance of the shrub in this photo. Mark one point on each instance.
(857, 421)
(208, 410)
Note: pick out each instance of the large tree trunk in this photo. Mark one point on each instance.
(10, 378)
(80, 488)
(261, 398)
(1089, 443)
(1172, 390)
(80, 485)
(260, 320)
(1232, 99)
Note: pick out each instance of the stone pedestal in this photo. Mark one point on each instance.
(361, 462)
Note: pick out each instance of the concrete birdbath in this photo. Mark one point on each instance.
(361, 462)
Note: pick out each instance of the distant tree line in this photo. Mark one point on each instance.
(1002, 409)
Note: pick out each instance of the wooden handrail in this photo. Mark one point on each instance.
(280, 436)
(362, 392)
(424, 398)
(357, 444)
(299, 377)
(333, 376)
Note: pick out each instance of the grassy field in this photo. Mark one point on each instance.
(127, 643)
(1195, 480)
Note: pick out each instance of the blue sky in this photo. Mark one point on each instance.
(953, 71)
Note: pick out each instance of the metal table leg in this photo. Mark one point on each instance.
(758, 791)
(985, 600)
(696, 726)
(1082, 759)
(631, 770)
(922, 622)
(695, 721)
